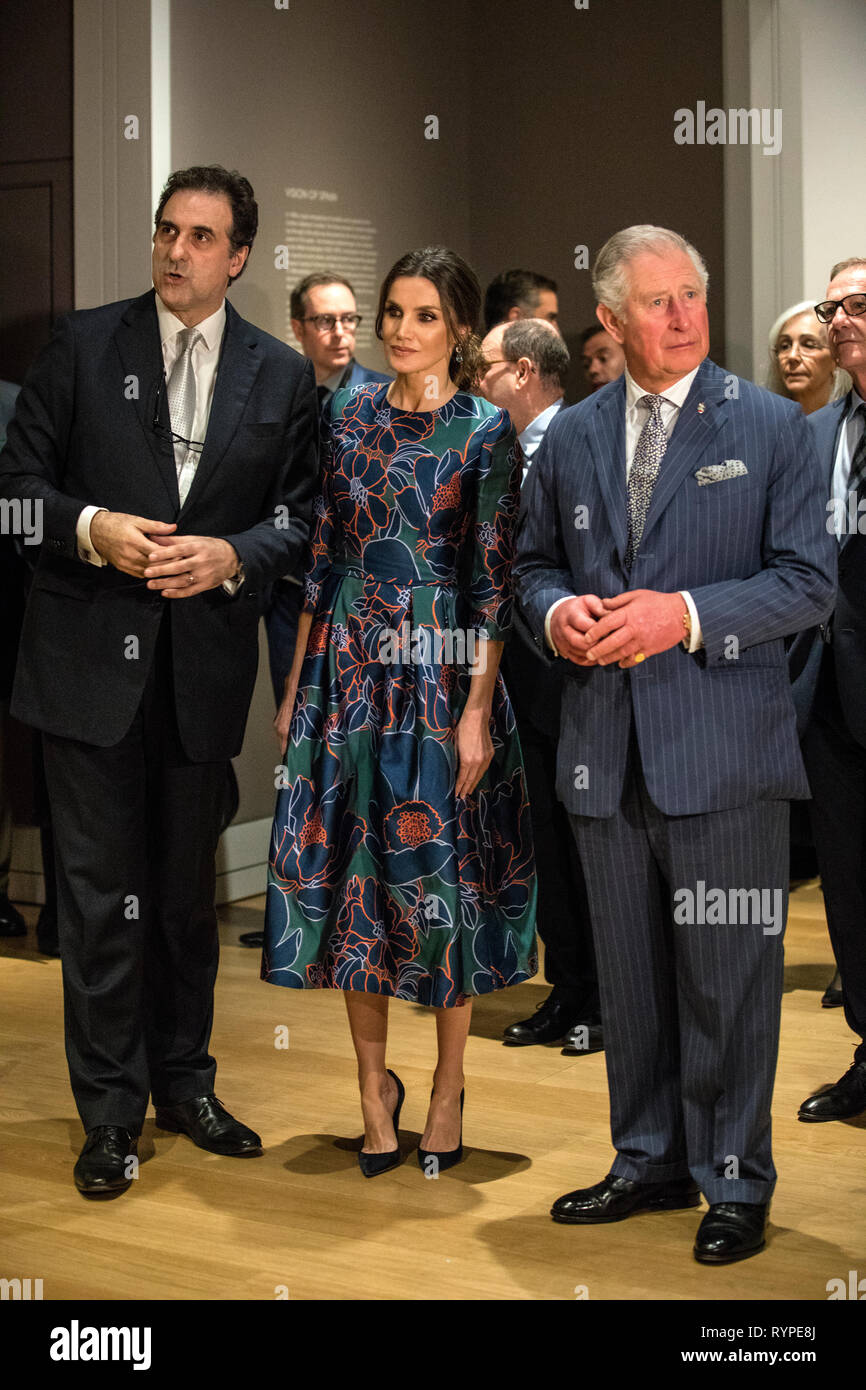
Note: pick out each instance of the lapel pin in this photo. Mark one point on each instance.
(701, 407)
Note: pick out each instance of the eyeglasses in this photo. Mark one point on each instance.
(853, 304)
(807, 345)
(165, 432)
(326, 323)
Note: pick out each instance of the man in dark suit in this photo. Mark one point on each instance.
(672, 535)
(172, 448)
(829, 666)
(520, 294)
(11, 611)
(526, 367)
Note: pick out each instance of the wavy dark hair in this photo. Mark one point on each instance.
(460, 297)
(213, 178)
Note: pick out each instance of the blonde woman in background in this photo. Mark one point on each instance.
(801, 366)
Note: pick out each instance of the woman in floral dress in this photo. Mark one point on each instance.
(401, 857)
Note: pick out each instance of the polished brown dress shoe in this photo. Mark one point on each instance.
(103, 1168)
(209, 1125)
(840, 1102)
(614, 1198)
(731, 1231)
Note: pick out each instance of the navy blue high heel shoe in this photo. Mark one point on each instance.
(373, 1164)
(444, 1160)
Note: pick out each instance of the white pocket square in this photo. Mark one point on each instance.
(719, 472)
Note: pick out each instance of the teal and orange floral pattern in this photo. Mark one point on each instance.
(381, 878)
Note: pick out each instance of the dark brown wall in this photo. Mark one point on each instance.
(36, 266)
(572, 123)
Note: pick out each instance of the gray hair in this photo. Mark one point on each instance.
(851, 262)
(841, 380)
(542, 344)
(610, 279)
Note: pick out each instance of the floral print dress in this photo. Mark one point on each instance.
(381, 878)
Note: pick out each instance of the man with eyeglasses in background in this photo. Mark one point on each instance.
(325, 319)
(828, 665)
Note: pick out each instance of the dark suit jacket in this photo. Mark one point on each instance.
(715, 730)
(849, 617)
(83, 433)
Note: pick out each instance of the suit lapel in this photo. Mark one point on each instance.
(827, 432)
(693, 433)
(238, 367)
(607, 445)
(137, 341)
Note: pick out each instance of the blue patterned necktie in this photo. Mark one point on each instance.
(648, 454)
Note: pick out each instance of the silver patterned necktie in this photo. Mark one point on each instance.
(648, 454)
(181, 409)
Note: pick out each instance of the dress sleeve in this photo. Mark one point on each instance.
(326, 528)
(495, 526)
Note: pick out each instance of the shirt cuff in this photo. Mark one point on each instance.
(696, 641)
(232, 585)
(547, 637)
(86, 549)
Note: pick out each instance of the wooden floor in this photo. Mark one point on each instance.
(302, 1222)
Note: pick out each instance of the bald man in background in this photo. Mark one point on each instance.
(527, 362)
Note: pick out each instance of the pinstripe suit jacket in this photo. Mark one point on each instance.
(715, 729)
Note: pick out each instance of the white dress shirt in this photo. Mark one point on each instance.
(530, 438)
(849, 437)
(636, 417)
(205, 357)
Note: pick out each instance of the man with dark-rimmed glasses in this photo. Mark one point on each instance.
(830, 671)
(172, 450)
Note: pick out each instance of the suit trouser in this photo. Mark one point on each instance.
(836, 766)
(691, 1012)
(136, 827)
(563, 906)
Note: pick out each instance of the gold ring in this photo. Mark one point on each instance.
(638, 657)
(192, 581)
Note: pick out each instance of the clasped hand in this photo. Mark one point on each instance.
(178, 566)
(592, 631)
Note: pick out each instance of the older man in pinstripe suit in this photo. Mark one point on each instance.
(673, 534)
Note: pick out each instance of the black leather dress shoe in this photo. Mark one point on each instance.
(832, 996)
(551, 1021)
(11, 921)
(839, 1102)
(103, 1167)
(209, 1124)
(731, 1231)
(583, 1038)
(614, 1198)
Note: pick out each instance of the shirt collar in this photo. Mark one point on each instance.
(531, 437)
(211, 329)
(676, 394)
(856, 401)
(336, 379)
